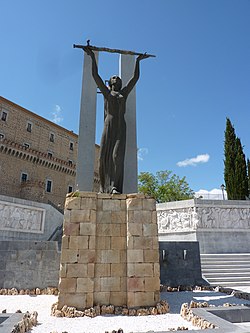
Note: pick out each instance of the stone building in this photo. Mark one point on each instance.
(37, 157)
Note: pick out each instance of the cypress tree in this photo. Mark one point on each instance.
(230, 156)
(241, 173)
(235, 168)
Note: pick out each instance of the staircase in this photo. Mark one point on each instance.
(226, 270)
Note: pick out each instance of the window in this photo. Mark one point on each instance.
(71, 145)
(70, 189)
(4, 116)
(29, 127)
(26, 145)
(70, 163)
(52, 137)
(50, 155)
(24, 177)
(1, 136)
(49, 186)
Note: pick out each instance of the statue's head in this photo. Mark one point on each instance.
(115, 82)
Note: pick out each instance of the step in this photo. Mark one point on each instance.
(226, 269)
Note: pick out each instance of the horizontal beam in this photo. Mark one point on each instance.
(106, 49)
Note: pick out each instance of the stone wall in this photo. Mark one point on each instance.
(29, 264)
(220, 226)
(27, 220)
(110, 251)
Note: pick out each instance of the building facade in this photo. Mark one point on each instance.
(37, 157)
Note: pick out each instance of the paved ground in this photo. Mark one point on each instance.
(47, 324)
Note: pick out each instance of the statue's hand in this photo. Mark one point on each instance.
(88, 50)
(143, 56)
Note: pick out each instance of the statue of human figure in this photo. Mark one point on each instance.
(113, 141)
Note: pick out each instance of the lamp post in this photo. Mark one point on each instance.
(222, 190)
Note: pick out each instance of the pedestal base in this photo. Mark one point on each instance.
(110, 251)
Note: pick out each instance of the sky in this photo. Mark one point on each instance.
(199, 77)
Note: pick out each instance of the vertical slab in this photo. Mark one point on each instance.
(87, 126)
(126, 71)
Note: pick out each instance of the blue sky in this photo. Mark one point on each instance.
(200, 76)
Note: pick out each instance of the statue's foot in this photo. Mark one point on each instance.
(114, 191)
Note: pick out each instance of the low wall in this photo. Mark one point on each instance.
(27, 220)
(29, 264)
(180, 264)
(220, 226)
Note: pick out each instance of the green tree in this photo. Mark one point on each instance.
(164, 186)
(235, 168)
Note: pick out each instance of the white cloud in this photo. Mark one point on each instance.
(57, 114)
(204, 158)
(214, 194)
(141, 152)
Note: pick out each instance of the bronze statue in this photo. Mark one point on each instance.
(113, 141)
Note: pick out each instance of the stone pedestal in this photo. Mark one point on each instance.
(110, 251)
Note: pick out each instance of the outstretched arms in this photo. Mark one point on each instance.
(98, 80)
(135, 78)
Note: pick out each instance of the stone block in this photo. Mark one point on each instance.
(72, 203)
(88, 203)
(104, 217)
(131, 270)
(108, 256)
(78, 242)
(118, 216)
(134, 204)
(135, 284)
(71, 229)
(87, 228)
(91, 270)
(69, 256)
(102, 270)
(67, 285)
(65, 242)
(103, 243)
(83, 194)
(143, 243)
(149, 204)
(118, 298)
(84, 285)
(151, 256)
(66, 216)
(86, 256)
(77, 270)
(110, 283)
(102, 298)
(108, 229)
(134, 256)
(144, 269)
(92, 242)
(63, 270)
(90, 299)
(144, 298)
(111, 205)
(150, 229)
(152, 283)
(78, 215)
(139, 217)
(123, 229)
(135, 229)
(75, 300)
(118, 270)
(156, 269)
(118, 243)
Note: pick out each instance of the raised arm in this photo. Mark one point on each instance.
(136, 76)
(98, 80)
